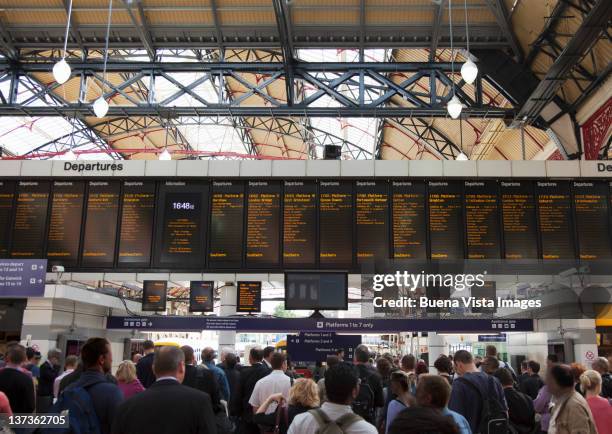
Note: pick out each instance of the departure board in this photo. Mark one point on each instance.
(263, 224)
(371, 219)
(137, 214)
(7, 197)
(64, 233)
(408, 220)
(592, 219)
(30, 223)
(227, 224)
(446, 220)
(154, 295)
(299, 223)
(519, 224)
(181, 227)
(248, 297)
(555, 219)
(101, 224)
(482, 220)
(335, 224)
(201, 296)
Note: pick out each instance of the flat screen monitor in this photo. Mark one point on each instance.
(154, 295)
(249, 297)
(201, 296)
(316, 291)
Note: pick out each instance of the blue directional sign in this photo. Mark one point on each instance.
(22, 277)
(315, 347)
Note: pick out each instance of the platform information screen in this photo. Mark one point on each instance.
(519, 223)
(409, 223)
(446, 220)
(592, 219)
(101, 224)
(555, 219)
(154, 295)
(335, 223)
(30, 222)
(7, 197)
(371, 219)
(226, 224)
(248, 297)
(482, 220)
(316, 291)
(299, 223)
(137, 215)
(64, 232)
(201, 296)
(263, 224)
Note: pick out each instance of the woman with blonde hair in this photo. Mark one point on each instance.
(303, 396)
(128, 382)
(590, 383)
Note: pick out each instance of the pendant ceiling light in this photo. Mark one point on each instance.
(100, 106)
(453, 106)
(61, 70)
(469, 70)
(165, 155)
(69, 155)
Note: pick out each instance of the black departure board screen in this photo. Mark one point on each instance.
(7, 197)
(555, 219)
(263, 224)
(482, 220)
(137, 214)
(487, 292)
(371, 217)
(446, 219)
(30, 221)
(335, 223)
(181, 227)
(519, 224)
(318, 291)
(248, 297)
(227, 224)
(201, 296)
(592, 219)
(408, 220)
(154, 295)
(65, 223)
(101, 224)
(299, 223)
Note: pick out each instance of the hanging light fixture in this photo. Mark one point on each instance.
(469, 70)
(165, 155)
(69, 155)
(61, 70)
(100, 106)
(453, 106)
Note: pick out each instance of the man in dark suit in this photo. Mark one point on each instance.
(15, 383)
(249, 376)
(532, 384)
(49, 371)
(201, 378)
(144, 367)
(167, 406)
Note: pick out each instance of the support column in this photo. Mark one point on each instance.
(436, 345)
(227, 339)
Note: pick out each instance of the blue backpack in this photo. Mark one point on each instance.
(82, 417)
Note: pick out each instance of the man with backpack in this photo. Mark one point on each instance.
(92, 400)
(370, 395)
(335, 415)
(478, 397)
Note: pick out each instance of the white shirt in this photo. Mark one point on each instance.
(305, 423)
(275, 382)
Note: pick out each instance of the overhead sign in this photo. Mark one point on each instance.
(22, 277)
(315, 347)
(154, 295)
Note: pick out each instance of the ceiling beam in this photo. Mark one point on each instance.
(139, 20)
(503, 19)
(283, 22)
(6, 42)
(435, 32)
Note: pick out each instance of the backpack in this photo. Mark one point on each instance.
(493, 418)
(77, 403)
(224, 426)
(338, 426)
(363, 404)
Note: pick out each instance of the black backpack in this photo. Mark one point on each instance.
(493, 418)
(363, 404)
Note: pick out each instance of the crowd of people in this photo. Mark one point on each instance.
(164, 390)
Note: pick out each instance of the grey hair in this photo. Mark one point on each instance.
(167, 360)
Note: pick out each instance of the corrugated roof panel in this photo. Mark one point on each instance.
(381, 17)
(339, 16)
(252, 17)
(119, 16)
(201, 17)
(34, 17)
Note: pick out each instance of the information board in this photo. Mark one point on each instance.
(201, 297)
(409, 221)
(371, 219)
(299, 223)
(181, 230)
(248, 297)
(519, 223)
(446, 220)
(335, 224)
(315, 347)
(263, 224)
(482, 220)
(64, 233)
(154, 295)
(20, 278)
(7, 198)
(30, 222)
(137, 214)
(592, 219)
(226, 225)
(555, 219)
(316, 291)
(101, 224)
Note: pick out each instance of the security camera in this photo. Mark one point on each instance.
(58, 268)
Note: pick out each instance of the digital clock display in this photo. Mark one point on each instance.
(187, 206)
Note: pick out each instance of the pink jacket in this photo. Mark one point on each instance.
(131, 389)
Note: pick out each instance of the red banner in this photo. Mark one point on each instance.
(596, 130)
